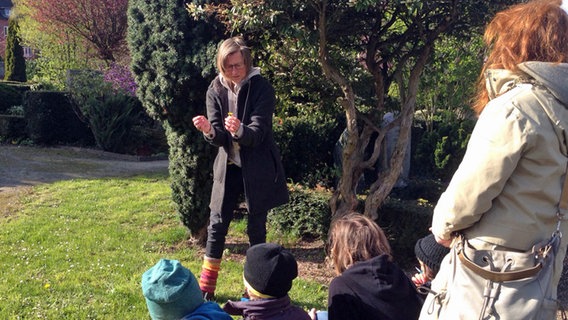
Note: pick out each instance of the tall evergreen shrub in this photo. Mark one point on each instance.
(173, 63)
(15, 64)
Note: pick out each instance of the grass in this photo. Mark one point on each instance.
(77, 250)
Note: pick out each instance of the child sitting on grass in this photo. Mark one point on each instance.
(172, 293)
(268, 273)
(369, 285)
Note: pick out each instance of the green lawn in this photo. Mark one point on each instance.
(77, 250)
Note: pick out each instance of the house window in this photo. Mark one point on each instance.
(27, 52)
(6, 31)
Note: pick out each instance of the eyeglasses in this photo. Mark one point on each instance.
(236, 66)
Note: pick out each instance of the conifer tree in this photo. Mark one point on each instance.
(15, 64)
(173, 63)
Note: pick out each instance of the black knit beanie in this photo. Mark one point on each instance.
(430, 252)
(270, 269)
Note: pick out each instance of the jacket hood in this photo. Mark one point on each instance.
(254, 71)
(550, 88)
(552, 75)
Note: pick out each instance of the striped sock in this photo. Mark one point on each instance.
(209, 274)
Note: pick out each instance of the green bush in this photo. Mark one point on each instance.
(147, 137)
(173, 64)
(307, 148)
(439, 151)
(426, 189)
(307, 215)
(405, 218)
(12, 127)
(404, 222)
(10, 97)
(117, 120)
(51, 119)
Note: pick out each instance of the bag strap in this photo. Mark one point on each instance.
(500, 276)
(563, 205)
(497, 276)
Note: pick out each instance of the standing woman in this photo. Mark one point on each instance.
(505, 194)
(240, 106)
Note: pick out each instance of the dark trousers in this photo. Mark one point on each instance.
(219, 221)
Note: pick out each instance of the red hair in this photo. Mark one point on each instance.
(532, 31)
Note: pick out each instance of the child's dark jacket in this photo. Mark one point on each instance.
(266, 309)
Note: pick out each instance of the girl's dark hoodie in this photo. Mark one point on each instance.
(373, 289)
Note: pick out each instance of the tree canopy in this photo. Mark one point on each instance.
(56, 50)
(374, 53)
(102, 23)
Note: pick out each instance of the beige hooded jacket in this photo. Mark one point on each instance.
(507, 188)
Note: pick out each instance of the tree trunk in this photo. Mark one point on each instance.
(406, 72)
(386, 180)
(344, 198)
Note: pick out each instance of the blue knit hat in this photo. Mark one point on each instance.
(171, 290)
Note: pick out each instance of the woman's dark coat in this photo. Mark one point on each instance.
(263, 174)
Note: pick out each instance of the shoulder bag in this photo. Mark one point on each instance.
(497, 284)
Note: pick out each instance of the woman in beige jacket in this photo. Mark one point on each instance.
(506, 191)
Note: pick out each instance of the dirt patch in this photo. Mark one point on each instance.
(310, 256)
(10, 199)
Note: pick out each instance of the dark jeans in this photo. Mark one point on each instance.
(219, 221)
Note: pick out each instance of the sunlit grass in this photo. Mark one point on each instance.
(77, 249)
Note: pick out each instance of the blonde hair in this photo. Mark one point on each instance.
(355, 238)
(532, 31)
(231, 46)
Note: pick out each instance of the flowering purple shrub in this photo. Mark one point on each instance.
(121, 79)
